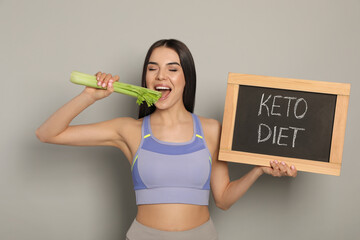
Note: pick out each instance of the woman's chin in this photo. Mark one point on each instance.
(161, 105)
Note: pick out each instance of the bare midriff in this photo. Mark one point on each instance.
(172, 217)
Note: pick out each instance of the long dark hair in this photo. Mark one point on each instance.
(188, 66)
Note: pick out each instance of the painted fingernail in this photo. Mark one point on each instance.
(292, 167)
(110, 84)
(103, 85)
(276, 162)
(283, 163)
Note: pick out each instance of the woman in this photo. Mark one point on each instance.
(171, 151)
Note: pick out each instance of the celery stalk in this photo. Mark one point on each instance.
(142, 94)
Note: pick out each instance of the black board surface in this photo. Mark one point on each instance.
(284, 123)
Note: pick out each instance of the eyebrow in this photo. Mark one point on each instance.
(170, 63)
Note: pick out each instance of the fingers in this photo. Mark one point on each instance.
(287, 170)
(282, 169)
(293, 171)
(276, 168)
(97, 75)
(106, 80)
(102, 80)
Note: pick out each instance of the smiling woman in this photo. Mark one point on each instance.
(172, 151)
(184, 63)
(164, 73)
(156, 71)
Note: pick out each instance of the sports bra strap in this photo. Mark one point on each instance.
(198, 127)
(146, 124)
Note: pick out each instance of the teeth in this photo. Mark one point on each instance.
(162, 88)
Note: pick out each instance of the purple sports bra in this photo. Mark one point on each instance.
(169, 172)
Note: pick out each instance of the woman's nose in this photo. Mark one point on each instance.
(161, 75)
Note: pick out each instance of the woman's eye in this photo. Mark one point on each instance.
(173, 70)
(151, 69)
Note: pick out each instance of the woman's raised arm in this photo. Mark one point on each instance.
(56, 128)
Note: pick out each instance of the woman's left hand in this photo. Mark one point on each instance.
(280, 169)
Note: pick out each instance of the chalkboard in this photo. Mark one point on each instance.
(301, 122)
(284, 123)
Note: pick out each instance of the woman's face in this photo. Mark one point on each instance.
(165, 74)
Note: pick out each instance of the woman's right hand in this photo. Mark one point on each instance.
(104, 80)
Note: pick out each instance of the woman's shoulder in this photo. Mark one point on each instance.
(212, 132)
(209, 121)
(127, 123)
(211, 127)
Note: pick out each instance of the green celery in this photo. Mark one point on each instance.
(142, 94)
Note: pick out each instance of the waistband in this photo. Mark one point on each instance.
(138, 231)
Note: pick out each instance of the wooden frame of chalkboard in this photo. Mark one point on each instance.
(242, 90)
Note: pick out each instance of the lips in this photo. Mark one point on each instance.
(164, 89)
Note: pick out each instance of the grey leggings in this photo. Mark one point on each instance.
(138, 231)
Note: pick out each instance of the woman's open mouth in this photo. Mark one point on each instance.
(165, 91)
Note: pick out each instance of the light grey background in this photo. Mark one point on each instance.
(60, 192)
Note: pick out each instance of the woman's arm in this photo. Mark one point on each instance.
(56, 128)
(226, 193)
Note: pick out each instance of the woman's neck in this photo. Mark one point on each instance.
(170, 116)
